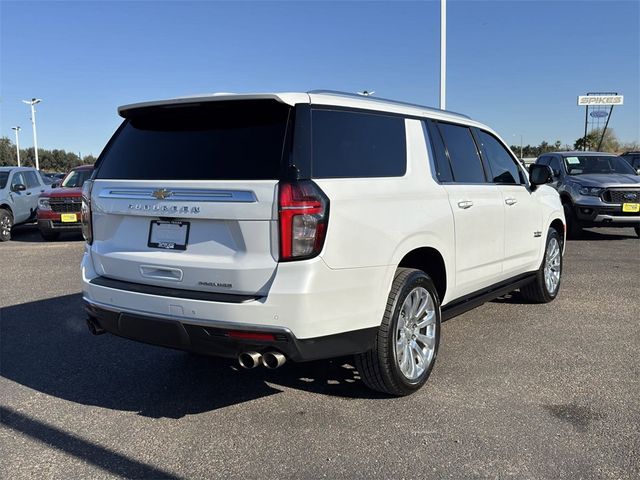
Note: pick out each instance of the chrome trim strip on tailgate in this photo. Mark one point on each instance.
(194, 195)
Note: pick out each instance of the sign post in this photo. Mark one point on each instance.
(597, 99)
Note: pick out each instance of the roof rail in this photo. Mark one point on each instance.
(338, 93)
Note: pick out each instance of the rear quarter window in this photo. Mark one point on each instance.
(355, 144)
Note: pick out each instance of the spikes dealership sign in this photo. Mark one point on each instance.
(592, 100)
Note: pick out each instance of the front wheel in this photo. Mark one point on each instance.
(544, 288)
(407, 342)
(6, 224)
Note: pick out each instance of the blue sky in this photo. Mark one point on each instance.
(516, 65)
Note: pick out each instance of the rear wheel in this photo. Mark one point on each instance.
(407, 343)
(6, 224)
(544, 288)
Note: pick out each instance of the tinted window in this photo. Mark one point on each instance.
(4, 178)
(543, 161)
(32, 179)
(350, 144)
(501, 163)
(463, 154)
(238, 140)
(440, 161)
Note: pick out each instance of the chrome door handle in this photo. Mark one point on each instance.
(464, 204)
(510, 201)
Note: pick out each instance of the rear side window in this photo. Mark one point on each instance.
(463, 153)
(501, 163)
(353, 144)
(237, 140)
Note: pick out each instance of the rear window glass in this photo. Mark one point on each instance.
(354, 144)
(240, 140)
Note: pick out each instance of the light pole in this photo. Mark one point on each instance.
(17, 130)
(443, 54)
(521, 155)
(33, 102)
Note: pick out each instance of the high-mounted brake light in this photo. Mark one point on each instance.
(304, 214)
(85, 212)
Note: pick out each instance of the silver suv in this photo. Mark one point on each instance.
(20, 188)
(597, 189)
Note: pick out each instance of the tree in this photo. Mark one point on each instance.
(610, 142)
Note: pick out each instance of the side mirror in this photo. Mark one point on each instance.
(540, 174)
(18, 187)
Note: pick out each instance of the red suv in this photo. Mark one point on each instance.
(59, 208)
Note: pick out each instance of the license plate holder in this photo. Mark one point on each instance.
(631, 207)
(169, 234)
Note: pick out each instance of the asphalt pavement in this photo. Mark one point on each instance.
(518, 390)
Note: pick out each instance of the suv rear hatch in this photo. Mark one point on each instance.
(185, 196)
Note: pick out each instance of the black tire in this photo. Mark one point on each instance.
(574, 230)
(537, 291)
(379, 367)
(49, 236)
(6, 224)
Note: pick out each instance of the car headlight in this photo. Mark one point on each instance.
(591, 191)
(43, 204)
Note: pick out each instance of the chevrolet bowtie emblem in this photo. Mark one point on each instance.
(162, 193)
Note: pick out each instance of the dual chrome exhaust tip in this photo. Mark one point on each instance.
(271, 360)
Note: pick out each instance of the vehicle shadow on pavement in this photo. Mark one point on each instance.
(29, 233)
(47, 347)
(609, 234)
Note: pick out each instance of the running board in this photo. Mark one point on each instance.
(475, 299)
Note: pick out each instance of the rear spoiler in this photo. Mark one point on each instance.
(286, 98)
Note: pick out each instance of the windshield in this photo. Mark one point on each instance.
(4, 176)
(76, 178)
(586, 164)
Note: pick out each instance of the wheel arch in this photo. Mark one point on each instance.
(6, 206)
(430, 261)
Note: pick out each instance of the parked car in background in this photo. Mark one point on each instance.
(597, 189)
(303, 226)
(59, 208)
(633, 158)
(19, 191)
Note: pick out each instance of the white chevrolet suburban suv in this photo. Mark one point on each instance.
(305, 226)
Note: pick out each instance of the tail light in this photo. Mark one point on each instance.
(85, 212)
(304, 214)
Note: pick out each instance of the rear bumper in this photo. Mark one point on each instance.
(605, 216)
(307, 299)
(218, 341)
